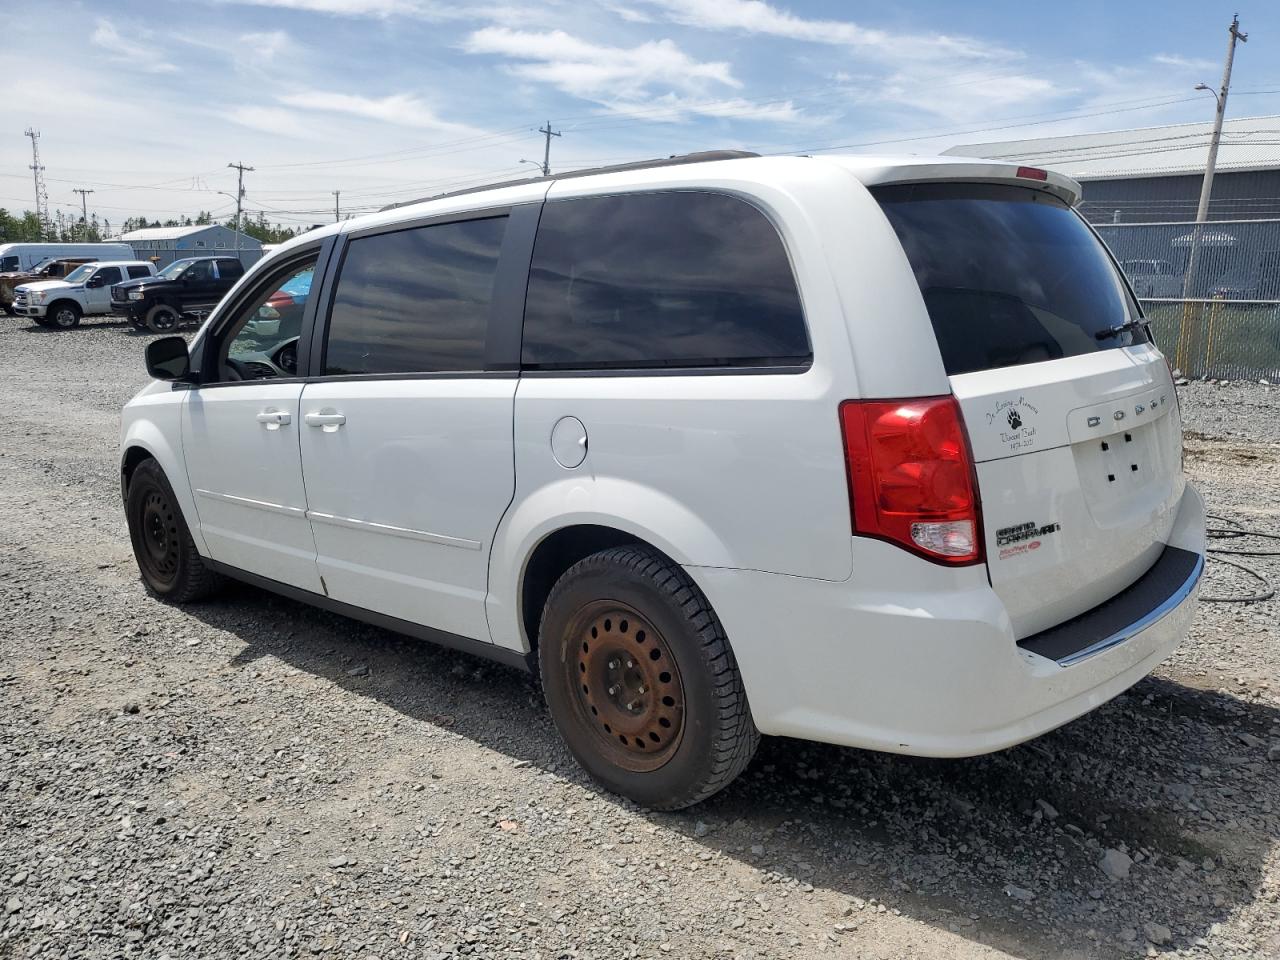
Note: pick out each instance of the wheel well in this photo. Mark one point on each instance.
(552, 557)
(61, 300)
(132, 458)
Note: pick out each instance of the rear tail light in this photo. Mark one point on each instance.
(911, 476)
(1032, 173)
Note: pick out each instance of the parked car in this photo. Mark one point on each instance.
(1154, 279)
(52, 268)
(181, 291)
(866, 451)
(86, 291)
(23, 256)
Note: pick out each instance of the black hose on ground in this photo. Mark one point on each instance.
(1236, 532)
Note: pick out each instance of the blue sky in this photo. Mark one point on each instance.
(385, 100)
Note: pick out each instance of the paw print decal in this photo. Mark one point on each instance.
(1015, 421)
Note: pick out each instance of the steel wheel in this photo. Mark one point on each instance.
(629, 690)
(160, 543)
(167, 558)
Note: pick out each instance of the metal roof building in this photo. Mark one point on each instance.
(1153, 174)
(167, 244)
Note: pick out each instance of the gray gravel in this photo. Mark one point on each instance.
(251, 777)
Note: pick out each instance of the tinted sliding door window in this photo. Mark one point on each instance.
(676, 279)
(415, 301)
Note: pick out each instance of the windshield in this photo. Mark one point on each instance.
(80, 273)
(42, 264)
(1009, 275)
(173, 270)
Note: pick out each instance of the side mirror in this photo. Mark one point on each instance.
(97, 280)
(168, 359)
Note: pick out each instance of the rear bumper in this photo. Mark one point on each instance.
(909, 657)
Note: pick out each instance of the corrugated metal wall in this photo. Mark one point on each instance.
(1248, 195)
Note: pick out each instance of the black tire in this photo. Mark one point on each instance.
(641, 681)
(8, 309)
(163, 318)
(63, 315)
(171, 567)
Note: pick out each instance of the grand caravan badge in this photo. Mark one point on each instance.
(1015, 421)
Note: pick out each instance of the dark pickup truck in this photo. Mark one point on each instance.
(185, 289)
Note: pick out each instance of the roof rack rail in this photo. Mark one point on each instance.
(671, 161)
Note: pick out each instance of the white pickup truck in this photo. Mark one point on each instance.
(83, 292)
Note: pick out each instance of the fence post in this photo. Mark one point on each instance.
(1215, 308)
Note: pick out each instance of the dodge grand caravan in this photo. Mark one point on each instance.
(870, 451)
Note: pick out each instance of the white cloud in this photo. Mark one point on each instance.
(599, 72)
(402, 109)
(1190, 63)
(130, 52)
(758, 17)
(267, 45)
(354, 8)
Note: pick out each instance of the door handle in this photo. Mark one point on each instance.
(273, 419)
(334, 420)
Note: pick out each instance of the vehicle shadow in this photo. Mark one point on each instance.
(86, 323)
(1002, 849)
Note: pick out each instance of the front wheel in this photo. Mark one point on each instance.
(8, 309)
(162, 318)
(641, 681)
(63, 316)
(167, 558)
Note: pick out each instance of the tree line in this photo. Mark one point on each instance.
(25, 227)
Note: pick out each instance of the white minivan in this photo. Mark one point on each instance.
(877, 452)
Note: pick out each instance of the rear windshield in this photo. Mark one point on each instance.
(1009, 275)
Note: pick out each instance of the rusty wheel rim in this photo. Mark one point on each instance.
(627, 686)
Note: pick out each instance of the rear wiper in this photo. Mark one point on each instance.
(1120, 328)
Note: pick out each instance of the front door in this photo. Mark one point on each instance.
(98, 296)
(406, 440)
(199, 286)
(240, 438)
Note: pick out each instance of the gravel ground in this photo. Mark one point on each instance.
(251, 777)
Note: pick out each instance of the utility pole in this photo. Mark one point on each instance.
(546, 154)
(42, 195)
(239, 198)
(1206, 188)
(337, 215)
(84, 208)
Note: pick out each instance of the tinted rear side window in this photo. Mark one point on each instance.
(674, 279)
(415, 301)
(135, 272)
(1009, 275)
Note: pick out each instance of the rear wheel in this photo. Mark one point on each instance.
(167, 558)
(162, 318)
(640, 679)
(63, 315)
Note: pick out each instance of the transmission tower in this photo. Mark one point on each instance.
(42, 195)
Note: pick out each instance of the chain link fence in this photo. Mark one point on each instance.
(1223, 321)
